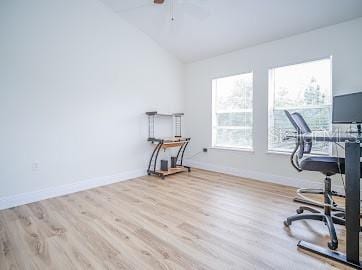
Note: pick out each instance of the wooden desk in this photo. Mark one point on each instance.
(353, 154)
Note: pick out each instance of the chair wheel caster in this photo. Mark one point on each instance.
(300, 211)
(333, 245)
(287, 223)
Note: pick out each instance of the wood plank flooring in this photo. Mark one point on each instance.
(197, 220)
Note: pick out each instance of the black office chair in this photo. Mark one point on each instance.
(302, 127)
(324, 164)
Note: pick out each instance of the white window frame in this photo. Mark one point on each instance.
(271, 98)
(215, 127)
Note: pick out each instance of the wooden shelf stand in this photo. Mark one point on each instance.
(181, 143)
(165, 143)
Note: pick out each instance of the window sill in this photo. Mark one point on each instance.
(250, 150)
(276, 152)
(285, 153)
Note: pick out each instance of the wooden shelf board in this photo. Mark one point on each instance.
(169, 140)
(155, 113)
(172, 144)
(173, 170)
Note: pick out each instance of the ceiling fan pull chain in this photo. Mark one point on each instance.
(172, 10)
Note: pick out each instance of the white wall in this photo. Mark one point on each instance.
(342, 41)
(75, 81)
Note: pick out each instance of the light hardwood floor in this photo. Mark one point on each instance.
(200, 220)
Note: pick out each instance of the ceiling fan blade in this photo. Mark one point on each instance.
(158, 1)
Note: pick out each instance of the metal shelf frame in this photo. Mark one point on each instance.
(164, 144)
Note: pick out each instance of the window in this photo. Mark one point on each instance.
(304, 88)
(233, 111)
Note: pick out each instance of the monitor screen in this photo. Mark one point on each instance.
(347, 108)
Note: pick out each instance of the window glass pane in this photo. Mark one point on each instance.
(234, 119)
(232, 111)
(233, 137)
(303, 88)
(234, 93)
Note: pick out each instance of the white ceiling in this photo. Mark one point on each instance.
(206, 28)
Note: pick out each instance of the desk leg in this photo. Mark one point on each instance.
(352, 201)
(154, 156)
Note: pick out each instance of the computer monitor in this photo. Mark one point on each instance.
(347, 109)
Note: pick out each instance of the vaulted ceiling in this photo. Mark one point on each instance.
(198, 29)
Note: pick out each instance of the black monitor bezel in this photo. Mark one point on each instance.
(344, 122)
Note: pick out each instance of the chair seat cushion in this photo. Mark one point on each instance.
(324, 164)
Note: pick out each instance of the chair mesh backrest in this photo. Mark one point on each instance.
(302, 125)
(297, 120)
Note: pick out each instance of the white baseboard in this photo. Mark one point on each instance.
(51, 192)
(265, 177)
